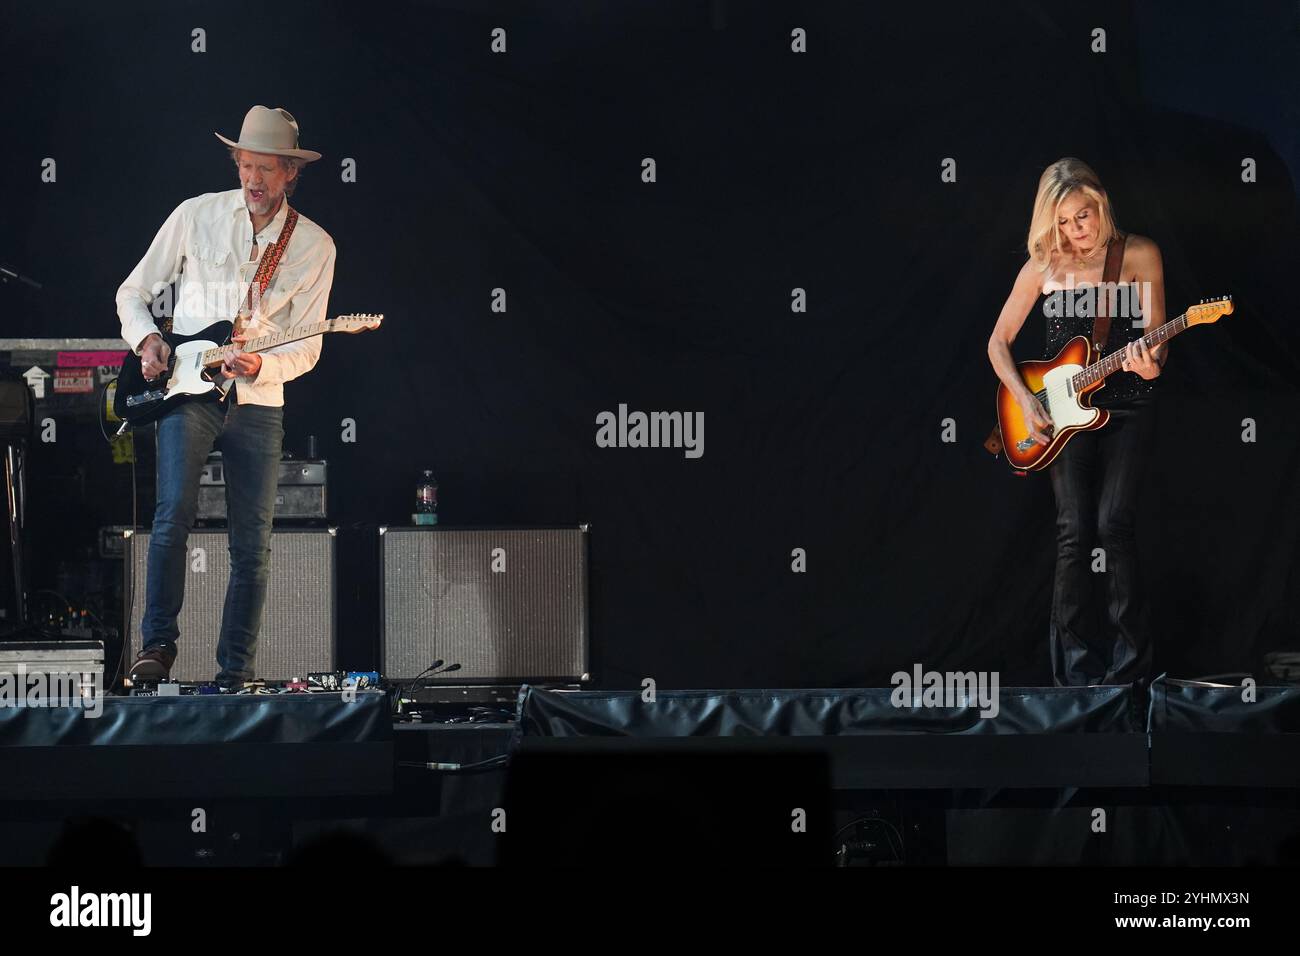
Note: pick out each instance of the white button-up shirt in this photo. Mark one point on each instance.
(207, 241)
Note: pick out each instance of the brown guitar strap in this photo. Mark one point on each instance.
(993, 444)
(1110, 275)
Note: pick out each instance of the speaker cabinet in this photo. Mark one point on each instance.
(298, 621)
(508, 605)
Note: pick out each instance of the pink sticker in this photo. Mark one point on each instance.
(82, 359)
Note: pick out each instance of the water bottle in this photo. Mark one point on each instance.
(426, 498)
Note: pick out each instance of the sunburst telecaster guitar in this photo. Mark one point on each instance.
(194, 365)
(1064, 385)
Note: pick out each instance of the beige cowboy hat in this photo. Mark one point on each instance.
(273, 131)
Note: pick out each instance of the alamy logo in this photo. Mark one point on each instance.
(626, 429)
(948, 689)
(75, 908)
(1124, 300)
(81, 689)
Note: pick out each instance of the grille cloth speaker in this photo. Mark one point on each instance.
(297, 635)
(442, 599)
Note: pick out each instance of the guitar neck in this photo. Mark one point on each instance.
(1114, 361)
(263, 342)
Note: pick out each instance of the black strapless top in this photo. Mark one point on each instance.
(1070, 312)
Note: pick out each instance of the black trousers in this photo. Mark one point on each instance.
(1096, 481)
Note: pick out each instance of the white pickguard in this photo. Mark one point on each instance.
(187, 372)
(1064, 408)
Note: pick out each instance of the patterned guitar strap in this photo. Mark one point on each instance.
(266, 267)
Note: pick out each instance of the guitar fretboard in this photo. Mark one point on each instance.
(262, 342)
(1114, 361)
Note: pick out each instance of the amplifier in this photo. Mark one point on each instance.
(54, 657)
(509, 605)
(299, 496)
(112, 541)
(298, 623)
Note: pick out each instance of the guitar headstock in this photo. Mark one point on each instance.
(356, 322)
(1209, 310)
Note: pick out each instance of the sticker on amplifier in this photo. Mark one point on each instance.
(83, 359)
(35, 377)
(74, 380)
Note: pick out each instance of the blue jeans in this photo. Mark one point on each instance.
(250, 439)
(1096, 480)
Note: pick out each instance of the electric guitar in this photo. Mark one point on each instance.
(1064, 385)
(194, 365)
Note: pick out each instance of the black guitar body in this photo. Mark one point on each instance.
(139, 401)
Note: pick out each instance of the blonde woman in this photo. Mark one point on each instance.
(1095, 478)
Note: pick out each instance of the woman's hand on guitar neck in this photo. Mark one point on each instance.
(1040, 424)
(1145, 362)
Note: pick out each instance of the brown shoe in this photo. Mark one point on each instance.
(152, 663)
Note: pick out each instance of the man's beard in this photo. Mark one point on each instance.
(260, 208)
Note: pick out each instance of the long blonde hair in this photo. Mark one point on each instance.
(1059, 180)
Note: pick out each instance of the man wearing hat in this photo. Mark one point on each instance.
(214, 244)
